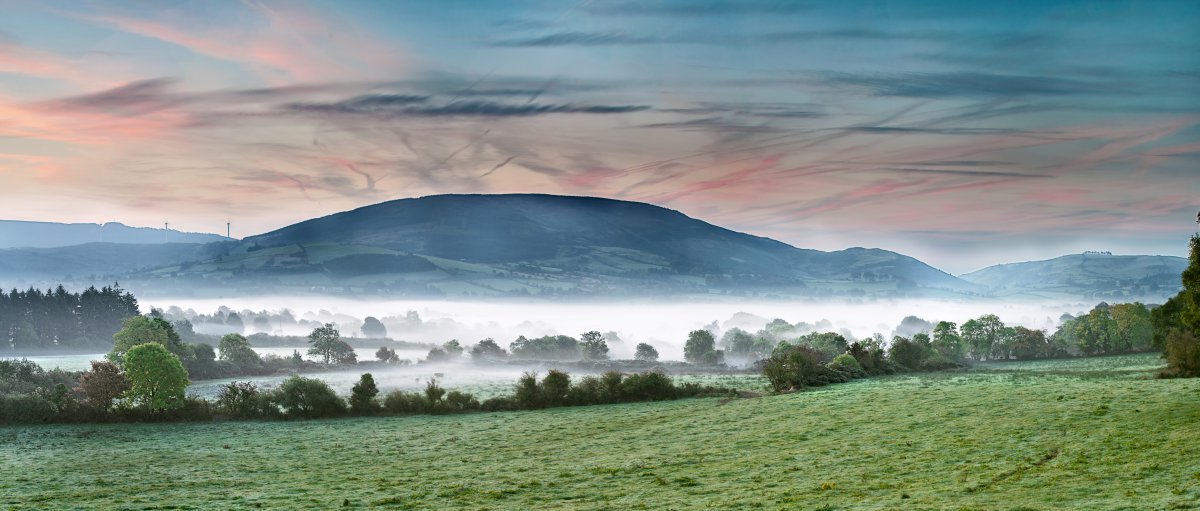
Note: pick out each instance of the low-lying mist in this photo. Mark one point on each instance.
(663, 324)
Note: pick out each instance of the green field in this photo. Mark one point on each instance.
(1092, 434)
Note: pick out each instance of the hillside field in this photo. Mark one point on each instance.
(1092, 434)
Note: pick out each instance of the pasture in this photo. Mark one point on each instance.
(1094, 434)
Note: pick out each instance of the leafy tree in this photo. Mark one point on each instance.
(1134, 329)
(454, 349)
(978, 335)
(906, 353)
(156, 376)
(946, 340)
(362, 396)
(593, 346)
(550, 347)
(326, 342)
(645, 352)
(699, 345)
(1030, 344)
(1094, 331)
(102, 385)
(487, 349)
(386, 354)
(436, 354)
(1182, 352)
(373, 328)
(141, 330)
(826, 344)
(235, 348)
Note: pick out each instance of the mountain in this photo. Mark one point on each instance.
(531, 245)
(21, 234)
(1086, 276)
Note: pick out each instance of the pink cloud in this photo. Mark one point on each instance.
(282, 44)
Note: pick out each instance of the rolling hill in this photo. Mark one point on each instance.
(21, 234)
(547, 245)
(1086, 276)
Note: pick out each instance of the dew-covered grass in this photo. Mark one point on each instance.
(1070, 435)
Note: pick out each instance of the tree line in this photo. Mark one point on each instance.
(149, 382)
(56, 319)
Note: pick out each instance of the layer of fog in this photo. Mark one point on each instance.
(662, 325)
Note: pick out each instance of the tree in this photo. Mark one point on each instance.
(593, 346)
(102, 385)
(487, 349)
(156, 376)
(141, 330)
(362, 396)
(235, 348)
(645, 352)
(698, 346)
(386, 354)
(373, 328)
(326, 342)
(1030, 344)
(436, 355)
(1134, 329)
(1094, 331)
(946, 340)
(454, 349)
(906, 353)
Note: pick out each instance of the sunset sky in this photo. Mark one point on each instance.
(963, 135)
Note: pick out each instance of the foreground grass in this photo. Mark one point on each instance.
(1009, 437)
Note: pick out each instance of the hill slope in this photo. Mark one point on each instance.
(1085, 276)
(21, 234)
(490, 245)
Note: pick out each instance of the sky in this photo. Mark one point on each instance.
(961, 133)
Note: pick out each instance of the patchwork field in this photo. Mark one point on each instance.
(1089, 434)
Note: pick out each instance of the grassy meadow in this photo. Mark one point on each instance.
(1093, 434)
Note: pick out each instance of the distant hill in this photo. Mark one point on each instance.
(1086, 276)
(21, 234)
(547, 245)
(97, 259)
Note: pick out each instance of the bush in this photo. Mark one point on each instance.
(398, 402)
(797, 367)
(458, 402)
(938, 362)
(554, 388)
(1182, 352)
(650, 386)
(499, 404)
(27, 409)
(307, 398)
(526, 393)
(242, 400)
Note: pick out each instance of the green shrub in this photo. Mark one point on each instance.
(526, 393)
(242, 400)
(26, 409)
(554, 388)
(398, 402)
(499, 404)
(458, 402)
(649, 386)
(307, 398)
